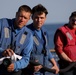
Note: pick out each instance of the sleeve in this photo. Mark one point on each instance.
(1, 49)
(59, 42)
(25, 55)
(50, 56)
(0, 28)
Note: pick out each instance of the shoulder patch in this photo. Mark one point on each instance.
(6, 31)
(35, 40)
(23, 38)
(69, 36)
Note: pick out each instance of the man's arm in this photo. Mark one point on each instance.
(25, 55)
(55, 67)
(1, 49)
(59, 43)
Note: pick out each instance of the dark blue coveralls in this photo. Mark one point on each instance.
(20, 39)
(41, 51)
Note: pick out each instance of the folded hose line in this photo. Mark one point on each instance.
(52, 70)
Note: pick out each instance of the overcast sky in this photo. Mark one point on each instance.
(59, 10)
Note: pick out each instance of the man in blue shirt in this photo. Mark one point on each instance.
(15, 38)
(41, 52)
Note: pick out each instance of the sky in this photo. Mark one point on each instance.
(58, 10)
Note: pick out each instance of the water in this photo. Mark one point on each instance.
(51, 31)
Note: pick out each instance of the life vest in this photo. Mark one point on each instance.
(70, 48)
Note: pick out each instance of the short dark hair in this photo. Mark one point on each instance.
(25, 8)
(40, 9)
(73, 14)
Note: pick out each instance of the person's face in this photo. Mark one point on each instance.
(22, 18)
(38, 20)
(72, 22)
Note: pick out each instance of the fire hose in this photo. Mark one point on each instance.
(52, 70)
(6, 61)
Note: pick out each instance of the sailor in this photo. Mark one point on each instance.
(16, 38)
(65, 44)
(41, 51)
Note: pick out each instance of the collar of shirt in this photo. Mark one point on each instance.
(38, 32)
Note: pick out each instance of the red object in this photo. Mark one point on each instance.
(66, 42)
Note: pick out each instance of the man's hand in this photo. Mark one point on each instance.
(37, 68)
(55, 68)
(8, 52)
(10, 68)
